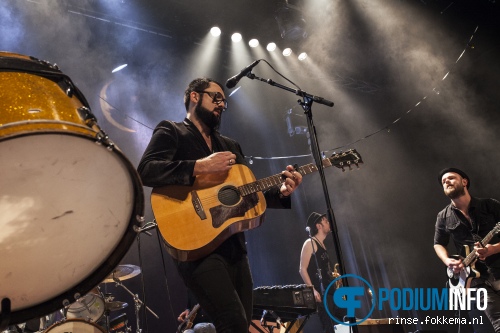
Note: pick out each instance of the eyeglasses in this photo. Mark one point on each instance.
(216, 97)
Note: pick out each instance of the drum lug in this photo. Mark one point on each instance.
(87, 116)
(91, 121)
(103, 139)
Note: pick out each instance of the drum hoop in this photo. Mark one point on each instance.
(45, 121)
(100, 273)
(76, 320)
(10, 63)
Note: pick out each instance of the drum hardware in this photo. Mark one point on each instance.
(74, 325)
(118, 323)
(4, 313)
(91, 121)
(137, 304)
(110, 305)
(114, 306)
(147, 226)
(45, 155)
(123, 272)
(90, 307)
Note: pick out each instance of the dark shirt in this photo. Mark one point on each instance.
(484, 214)
(171, 155)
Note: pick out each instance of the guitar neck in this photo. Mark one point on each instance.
(339, 160)
(472, 256)
(188, 321)
(192, 314)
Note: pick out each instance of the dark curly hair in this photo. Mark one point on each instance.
(198, 84)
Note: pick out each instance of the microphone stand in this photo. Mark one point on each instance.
(306, 104)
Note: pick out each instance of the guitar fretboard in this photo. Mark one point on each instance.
(339, 160)
(472, 256)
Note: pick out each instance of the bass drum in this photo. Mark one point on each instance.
(69, 199)
(76, 326)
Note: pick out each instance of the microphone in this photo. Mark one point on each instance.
(308, 229)
(231, 82)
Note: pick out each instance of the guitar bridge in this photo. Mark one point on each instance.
(198, 207)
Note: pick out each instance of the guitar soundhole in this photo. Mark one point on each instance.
(229, 195)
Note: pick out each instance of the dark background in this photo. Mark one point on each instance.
(383, 63)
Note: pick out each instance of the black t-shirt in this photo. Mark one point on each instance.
(325, 266)
(484, 214)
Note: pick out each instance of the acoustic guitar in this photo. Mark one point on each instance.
(194, 220)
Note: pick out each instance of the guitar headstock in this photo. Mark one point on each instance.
(345, 159)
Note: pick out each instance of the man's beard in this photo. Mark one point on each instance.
(207, 117)
(455, 192)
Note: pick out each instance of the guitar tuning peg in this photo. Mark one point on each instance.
(343, 170)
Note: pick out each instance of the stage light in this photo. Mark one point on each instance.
(291, 22)
(271, 47)
(253, 42)
(119, 68)
(287, 52)
(215, 31)
(236, 37)
(302, 56)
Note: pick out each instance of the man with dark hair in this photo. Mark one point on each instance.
(176, 155)
(467, 220)
(315, 262)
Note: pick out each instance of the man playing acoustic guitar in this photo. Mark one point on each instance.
(470, 221)
(182, 154)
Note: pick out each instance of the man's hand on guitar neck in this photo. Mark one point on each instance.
(292, 179)
(485, 251)
(183, 316)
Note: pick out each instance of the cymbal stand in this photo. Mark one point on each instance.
(137, 304)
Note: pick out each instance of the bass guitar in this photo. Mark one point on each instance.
(194, 220)
(459, 282)
(187, 323)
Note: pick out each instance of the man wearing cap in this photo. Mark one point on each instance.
(467, 220)
(314, 256)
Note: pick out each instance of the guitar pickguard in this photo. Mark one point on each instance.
(221, 213)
